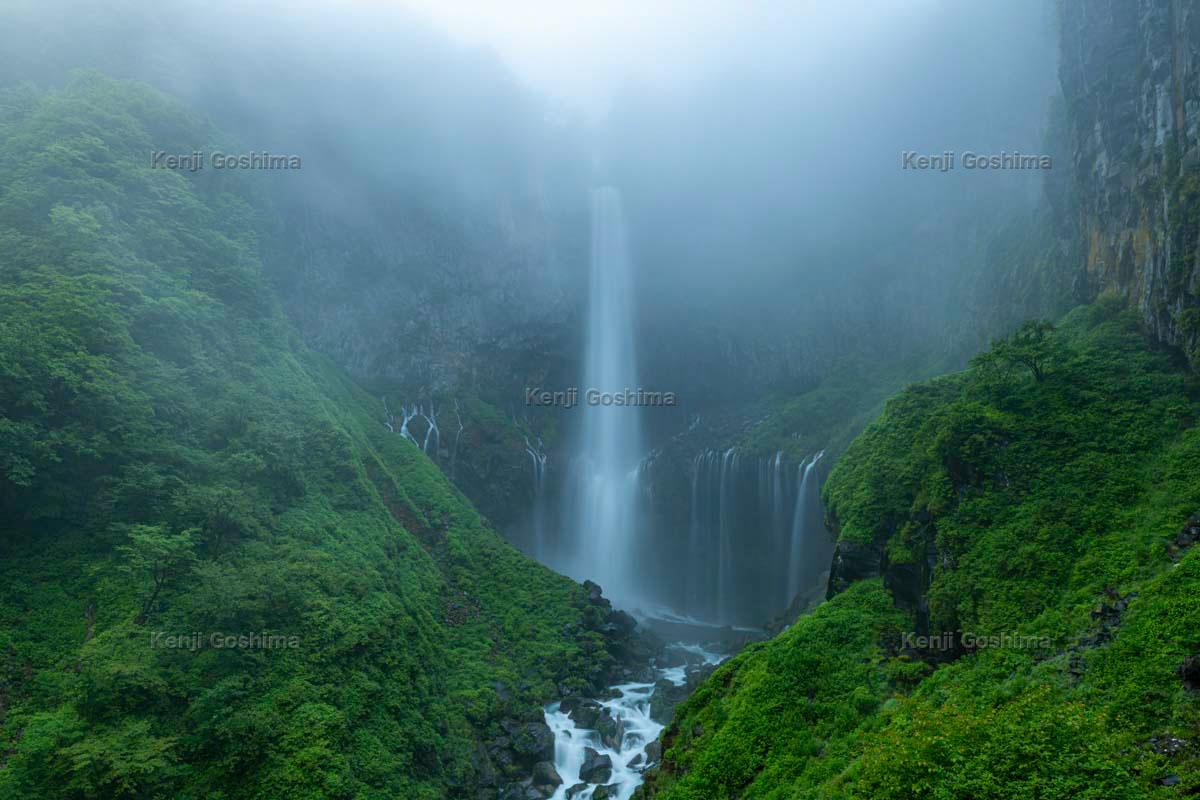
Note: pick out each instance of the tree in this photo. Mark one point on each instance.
(1032, 346)
(157, 556)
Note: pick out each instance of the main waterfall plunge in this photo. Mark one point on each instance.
(721, 538)
(601, 516)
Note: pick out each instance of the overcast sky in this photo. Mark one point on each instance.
(582, 51)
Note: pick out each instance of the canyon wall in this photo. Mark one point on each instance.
(1129, 75)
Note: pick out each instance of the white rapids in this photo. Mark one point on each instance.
(632, 712)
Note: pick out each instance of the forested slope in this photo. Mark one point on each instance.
(221, 576)
(1014, 609)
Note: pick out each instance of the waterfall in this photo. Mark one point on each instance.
(726, 528)
(773, 508)
(808, 499)
(538, 455)
(601, 517)
(694, 583)
(755, 537)
(703, 576)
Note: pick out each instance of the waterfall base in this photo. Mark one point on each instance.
(602, 748)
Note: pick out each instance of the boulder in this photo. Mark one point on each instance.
(586, 714)
(545, 775)
(611, 729)
(597, 767)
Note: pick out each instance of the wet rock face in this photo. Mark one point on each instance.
(632, 647)
(853, 562)
(597, 768)
(586, 713)
(427, 293)
(667, 696)
(654, 752)
(605, 792)
(518, 750)
(611, 729)
(1129, 75)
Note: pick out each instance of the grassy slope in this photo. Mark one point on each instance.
(1035, 498)
(148, 379)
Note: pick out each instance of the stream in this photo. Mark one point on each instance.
(635, 729)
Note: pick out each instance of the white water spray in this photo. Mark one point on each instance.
(602, 516)
(631, 710)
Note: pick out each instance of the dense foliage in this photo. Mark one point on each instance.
(1045, 490)
(174, 465)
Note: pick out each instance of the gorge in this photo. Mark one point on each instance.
(617, 407)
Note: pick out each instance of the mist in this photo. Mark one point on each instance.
(759, 148)
(674, 399)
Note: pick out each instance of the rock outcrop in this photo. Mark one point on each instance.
(1130, 75)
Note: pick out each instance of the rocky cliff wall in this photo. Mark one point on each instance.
(1130, 75)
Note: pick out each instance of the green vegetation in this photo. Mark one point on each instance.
(173, 464)
(829, 416)
(1042, 487)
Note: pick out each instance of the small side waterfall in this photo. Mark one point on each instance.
(727, 527)
(808, 499)
(775, 500)
(756, 536)
(537, 454)
(694, 580)
(713, 553)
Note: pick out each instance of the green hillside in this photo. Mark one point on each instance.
(1033, 518)
(221, 576)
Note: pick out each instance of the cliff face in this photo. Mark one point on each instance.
(1130, 74)
(436, 291)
